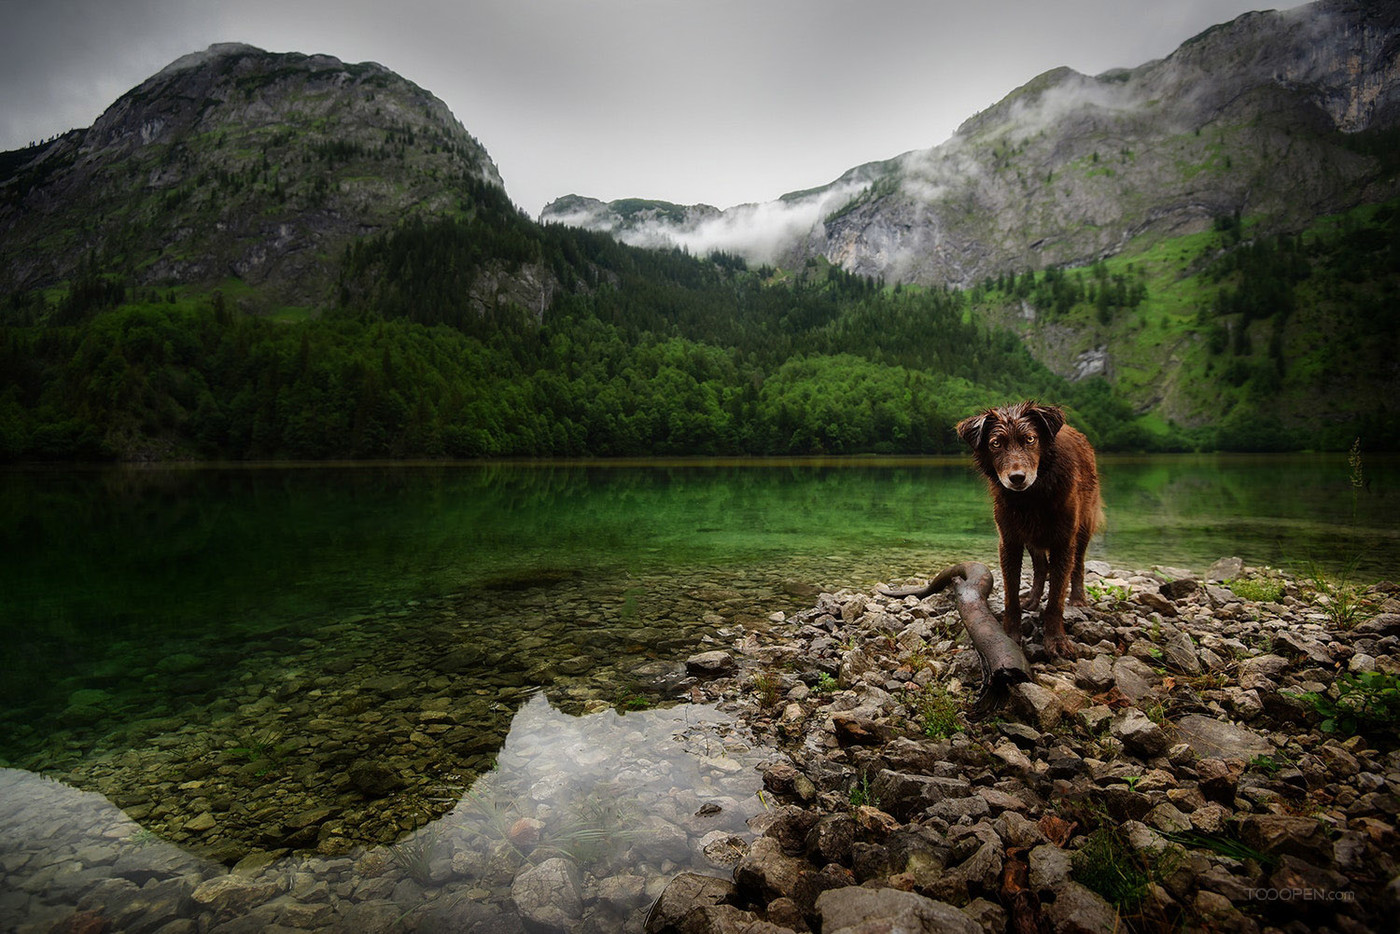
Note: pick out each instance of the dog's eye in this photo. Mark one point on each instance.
(1030, 439)
(995, 442)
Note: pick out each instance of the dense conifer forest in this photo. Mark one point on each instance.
(640, 352)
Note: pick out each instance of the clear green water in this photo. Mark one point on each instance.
(132, 593)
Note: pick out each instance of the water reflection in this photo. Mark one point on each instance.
(620, 802)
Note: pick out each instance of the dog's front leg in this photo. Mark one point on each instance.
(1039, 564)
(1011, 582)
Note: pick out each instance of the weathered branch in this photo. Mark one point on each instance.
(1003, 661)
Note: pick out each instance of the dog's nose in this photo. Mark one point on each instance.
(1016, 478)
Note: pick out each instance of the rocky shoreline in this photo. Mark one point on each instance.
(1180, 775)
(1197, 768)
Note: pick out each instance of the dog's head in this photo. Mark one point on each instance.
(1010, 441)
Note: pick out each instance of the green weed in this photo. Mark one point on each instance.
(415, 855)
(769, 686)
(861, 795)
(1257, 589)
(936, 711)
(1098, 592)
(1107, 864)
(1367, 702)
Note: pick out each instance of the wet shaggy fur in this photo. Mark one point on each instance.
(1044, 484)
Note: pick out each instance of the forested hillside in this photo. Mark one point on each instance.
(1238, 339)
(648, 353)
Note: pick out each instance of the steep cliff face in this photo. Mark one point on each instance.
(236, 164)
(1256, 116)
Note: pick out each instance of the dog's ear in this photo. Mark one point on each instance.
(972, 429)
(1051, 418)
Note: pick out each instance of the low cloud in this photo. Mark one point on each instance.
(760, 233)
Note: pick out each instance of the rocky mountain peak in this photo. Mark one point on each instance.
(237, 163)
(1251, 116)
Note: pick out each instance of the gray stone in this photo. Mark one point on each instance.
(1094, 674)
(1096, 718)
(1077, 910)
(1218, 739)
(1134, 679)
(1138, 733)
(1297, 644)
(954, 810)
(622, 893)
(723, 849)
(1156, 602)
(1178, 589)
(683, 897)
(1037, 704)
(857, 910)
(658, 839)
(1262, 671)
(766, 870)
(830, 840)
(784, 778)
(852, 730)
(233, 894)
(1280, 834)
(1050, 867)
(1167, 818)
(1181, 654)
(549, 894)
(710, 664)
(1225, 569)
(903, 794)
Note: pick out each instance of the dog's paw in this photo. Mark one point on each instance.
(1061, 647)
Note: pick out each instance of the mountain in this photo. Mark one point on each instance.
(1274, 116)
(257, 255)
(237, 167)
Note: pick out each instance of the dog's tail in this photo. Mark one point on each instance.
(1100, 517)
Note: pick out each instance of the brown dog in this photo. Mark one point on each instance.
(1045, 496)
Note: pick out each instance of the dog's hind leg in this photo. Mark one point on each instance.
(1040, 564)
(1077, 596)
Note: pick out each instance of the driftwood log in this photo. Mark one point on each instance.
(1003, 661)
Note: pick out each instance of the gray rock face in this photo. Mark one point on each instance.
(321, 137)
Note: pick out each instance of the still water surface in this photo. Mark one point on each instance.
(311, 662)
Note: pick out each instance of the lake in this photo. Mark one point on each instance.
(321, 663)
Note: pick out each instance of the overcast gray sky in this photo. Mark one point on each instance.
(714, 101)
